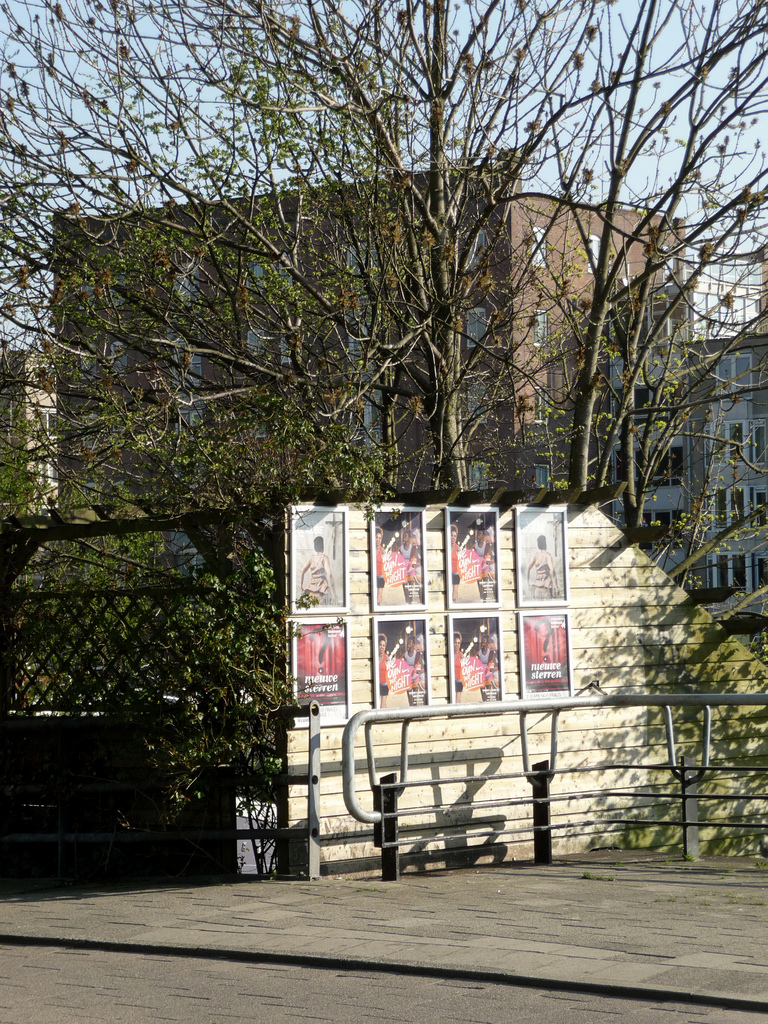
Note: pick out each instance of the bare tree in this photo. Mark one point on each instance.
(367, 206)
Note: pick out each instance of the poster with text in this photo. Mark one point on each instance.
(476, 658)
(545, 654)
(397, 544)
(321, 668)
(319, 560)
(542, 556)
(472, 556)
(401, 662)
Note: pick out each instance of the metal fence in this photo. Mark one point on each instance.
(37, 798)
(675, 793)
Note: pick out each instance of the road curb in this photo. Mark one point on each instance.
(616, 991)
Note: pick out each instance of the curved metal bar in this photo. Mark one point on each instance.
(671, 753)
(380, 716)
(524, 743)
(553, 740)
(373, 779)
(404, 751)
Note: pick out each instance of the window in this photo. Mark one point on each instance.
(728, 570)
(758, 572)
(254, 344)
(733, 503)
(721, 507)
(663, 516)
(477, 325)
(740, 439)
(738, 503)
(186, 557)
(49, 471)
(118, 356)
(716, 313)
(352, 347)
(757, 499)
(186, 373)
(643, 399)
(540, 327)
(187, 285)
(541, 476)
(475, 402)
(594, 251)
(738, 567)
(758, 437)
(670, 467)
(539, 252)
(373, 420)
(734, 374)
(542, 403)
(477, 476)
(478, 247)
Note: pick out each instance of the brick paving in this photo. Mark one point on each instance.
(597, 923)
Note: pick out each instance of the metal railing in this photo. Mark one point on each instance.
(386, 790)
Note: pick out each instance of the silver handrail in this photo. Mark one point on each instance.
(555, 705)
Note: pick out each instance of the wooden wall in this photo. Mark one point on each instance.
(632, 629)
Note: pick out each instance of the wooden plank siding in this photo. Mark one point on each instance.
(632, 629)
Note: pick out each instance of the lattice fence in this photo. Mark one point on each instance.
(93, 650)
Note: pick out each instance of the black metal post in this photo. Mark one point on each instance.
(385, 832)
(689, 781)
(62, 823)
(542, 815)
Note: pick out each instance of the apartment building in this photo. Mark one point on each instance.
(29, 471)
(713, 475)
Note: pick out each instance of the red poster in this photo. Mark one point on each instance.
(321, 664)
(546, 663)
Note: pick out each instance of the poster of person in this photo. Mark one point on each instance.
(319, 559)
(476, 658)
(397, 545)
(472, 556)
(321, 668)
(542, 556)
(545, 655)
(401, 663)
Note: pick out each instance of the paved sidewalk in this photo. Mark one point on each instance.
(606, 923)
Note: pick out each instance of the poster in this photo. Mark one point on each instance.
(542, 556)
(319, 559)
(321, 668)
(476, 659)
(401, 662)
(397, 545)
(545, 654)
(472, 556)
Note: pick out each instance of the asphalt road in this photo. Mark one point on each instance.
(54, 985)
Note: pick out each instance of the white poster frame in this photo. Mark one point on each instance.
(561, 690)
(550, 526)
(331, 713)
(303, 560)
(460, 517)
(390, 626)
(379, 578)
